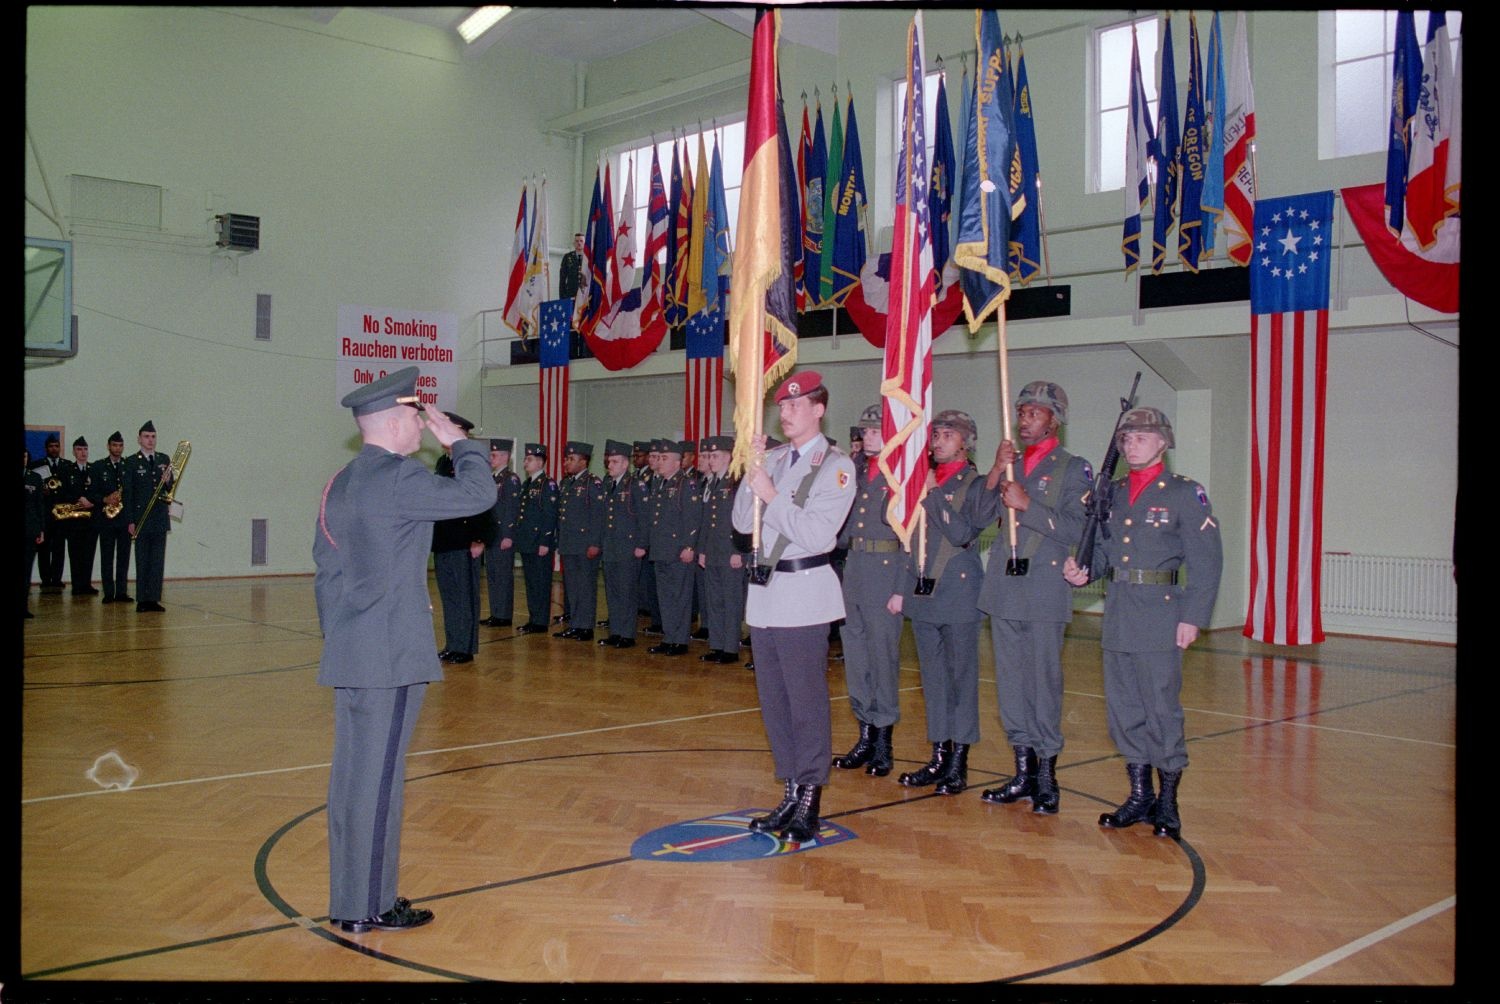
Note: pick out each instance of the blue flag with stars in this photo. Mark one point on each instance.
(555, 315)
(1289, 269)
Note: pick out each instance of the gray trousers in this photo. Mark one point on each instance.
(580, 590)
(1029, 682)
(500, 574)
(949, 657)
(872, 661)
(457, 577)
(791, 677)
(723, 612)
(621, 590)
(1143, 701)
(366, 787)
(674, 587)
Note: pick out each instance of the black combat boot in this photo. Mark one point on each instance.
(1168, 823)
(803, 826)
(956, 777)
(933, 769)
(881, 758)
(860, 753)
(1046, 797)
(1141, 803)
(1021, 785)
(779, 815)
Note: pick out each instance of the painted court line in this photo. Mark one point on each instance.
(1360, 944)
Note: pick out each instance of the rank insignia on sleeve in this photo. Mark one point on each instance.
(1202, 495)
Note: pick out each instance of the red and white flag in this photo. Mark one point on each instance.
(906, 383)
(552, 382)
(1239, 137)
(635, 324)
(510, 313)
(1427, 169)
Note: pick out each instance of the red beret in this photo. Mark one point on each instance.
(799, 385)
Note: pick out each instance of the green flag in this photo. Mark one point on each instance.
(835, 174)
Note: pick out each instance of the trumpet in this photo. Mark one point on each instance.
(179, 461)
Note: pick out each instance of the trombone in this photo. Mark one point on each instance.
(179, 461)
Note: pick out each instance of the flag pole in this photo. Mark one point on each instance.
(1014, 566)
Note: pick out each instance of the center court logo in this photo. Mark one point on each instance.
(726, 837)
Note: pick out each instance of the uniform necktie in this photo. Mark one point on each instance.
(795, 455)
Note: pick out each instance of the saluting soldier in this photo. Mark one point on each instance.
(500, 548)
(675, 512)
(536, 536)
(373, 534)
(806, 488)
(945, 622)
(456, 547)
(108, 480)
(1159, 523)
(33, 524)
(144, 471)
(722, 553)
(1028, 613)
(873, 572)
(626, 530)
(77, 490)
(580, 540)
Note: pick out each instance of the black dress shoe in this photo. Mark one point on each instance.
(667, 648)
(445, 654)
(625, 643)
(457, 657)
(531, 629)
(85, 591)
(149, 608)
(400, 917)
(750, 665)
(560, 619)
(496, 622)
(124, 598)
(583, 634)
(609, 642)
(566, 633)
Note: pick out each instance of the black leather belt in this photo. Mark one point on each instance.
(1145, 576)
(873, 546)
(802, 564)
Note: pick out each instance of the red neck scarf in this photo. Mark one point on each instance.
(1037, 451)
(1140, 479)
(945, 471)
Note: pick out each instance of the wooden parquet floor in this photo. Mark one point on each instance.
(1319, 844)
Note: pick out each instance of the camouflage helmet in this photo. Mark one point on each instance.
(870, 417)
(1146, 420)
(959, 422)
(1045, 394)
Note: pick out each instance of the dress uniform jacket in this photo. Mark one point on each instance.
(723, 608)
(626, 528)
(108, 477)
(676, 508)
(500, 563)
(50, 554)
(457, 572)
(77, 482)
(536, 526)
(142, 475)
(580, 526)
(371, 545)
(874, 570)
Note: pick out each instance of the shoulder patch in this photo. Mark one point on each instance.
(1202, 495)
(843, 479)
(1088, 472)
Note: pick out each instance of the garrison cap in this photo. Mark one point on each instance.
(460, 421)
(1147, 420)
(687, 446)
(870, 417)
(959, 421)
(536, 450)
(53, 438)
(582, 449)
(640, 446)
(387, 392)
(148, 427)
(799, 385)
(1045, 394)
(80, 441)
(669, 446)
(503, 445)
(115, 437)
(725, 443)
(615, 448)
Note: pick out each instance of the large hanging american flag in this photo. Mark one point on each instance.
(552, 386)
(1288, 386)
(906, 385)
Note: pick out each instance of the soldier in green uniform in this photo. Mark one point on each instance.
(456, 547)
(1028, 613)
(1153, 611)
(108, 480)
(722, 553)
(625, 533)
(580, 540)
(675, 512)
(143, 472)
(500, 547)
(536, 535)
(51, 552)
(33, 524)
(77, 490)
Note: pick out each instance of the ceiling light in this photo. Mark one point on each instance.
(481, 21)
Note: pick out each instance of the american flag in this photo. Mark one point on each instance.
(1288, 387)
(907, 382)
(703, 399)
(552, 387)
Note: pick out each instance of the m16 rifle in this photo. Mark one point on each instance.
(1097, 503)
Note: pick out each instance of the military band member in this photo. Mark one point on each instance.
(1159, 522)
(874, 570)
(51, 551)
(144, 471)
(456, 547)
(626, 529)
(675, 511)
(945, 622)
(580, 540)
(33, 524)
(82, 538)
(805, 489)
(500, 547)
(722, 554)
(370, 545)
(536, 536)
(1028, 613)
(108, 480)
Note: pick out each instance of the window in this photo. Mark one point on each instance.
(1356, 63)
(731, 140)
(1109, 97)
